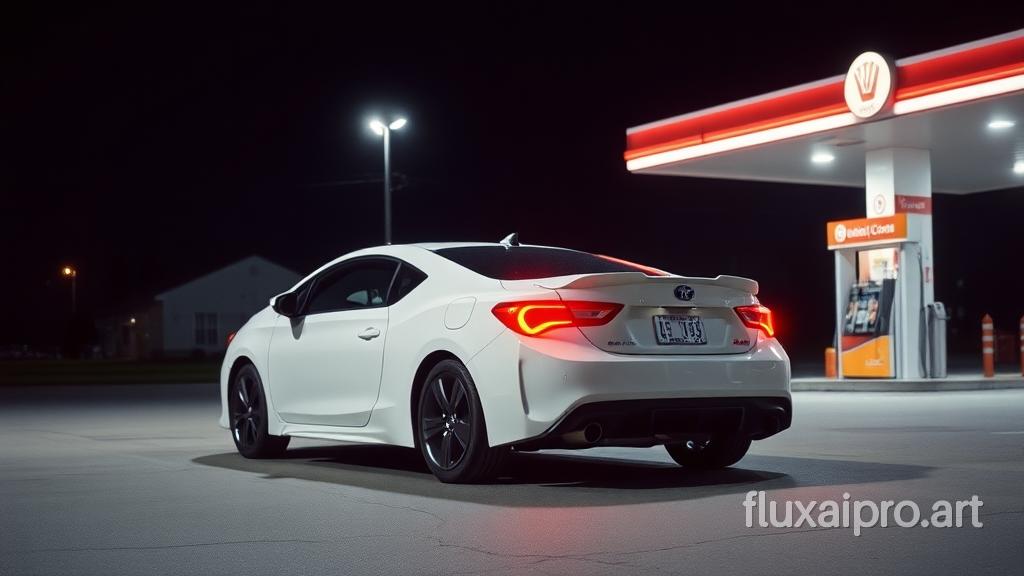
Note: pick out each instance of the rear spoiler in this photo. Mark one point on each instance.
(620, 278)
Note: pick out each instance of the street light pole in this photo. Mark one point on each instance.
(382, 129)
(387, 185)
(72, 274)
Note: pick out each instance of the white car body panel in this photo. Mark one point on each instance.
(545, 378)
(333, 374)
(526, 385)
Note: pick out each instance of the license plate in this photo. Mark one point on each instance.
(677, 329)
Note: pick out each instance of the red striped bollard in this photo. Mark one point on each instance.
(988, 341)
(1022, 344)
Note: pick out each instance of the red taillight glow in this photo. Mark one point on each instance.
(535, 317)
(757, 316)
(231, 336)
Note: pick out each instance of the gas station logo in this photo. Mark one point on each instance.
(839, 233)
(879, 204)
(869, 85)
(866, 78)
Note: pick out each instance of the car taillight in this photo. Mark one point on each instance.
(757, 316)
(535, 317)
(231, 336)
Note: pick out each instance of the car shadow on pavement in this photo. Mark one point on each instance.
(545, 479)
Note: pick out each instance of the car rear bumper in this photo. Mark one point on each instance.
(552, 381)
(663, 421)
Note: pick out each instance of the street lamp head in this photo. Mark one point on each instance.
(382, 129)
(68, 272)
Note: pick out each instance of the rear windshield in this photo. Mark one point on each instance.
(527, 262)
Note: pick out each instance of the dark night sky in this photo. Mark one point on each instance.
(148, 145)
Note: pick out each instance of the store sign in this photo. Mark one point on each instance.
(870, 85)
(866, 231)
(913, 204)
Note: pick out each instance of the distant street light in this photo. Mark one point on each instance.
(72, 274)
(381, 129)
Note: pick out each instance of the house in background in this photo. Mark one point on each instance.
(195, 318)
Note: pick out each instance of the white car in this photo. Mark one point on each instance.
(469, 350)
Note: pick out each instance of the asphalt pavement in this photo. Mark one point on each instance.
(140, 480)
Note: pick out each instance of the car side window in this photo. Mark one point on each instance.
(361, 284)
(408, 278)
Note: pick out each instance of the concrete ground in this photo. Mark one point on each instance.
(951, 383)
(139, 480)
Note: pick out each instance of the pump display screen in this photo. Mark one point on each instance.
(868, 308)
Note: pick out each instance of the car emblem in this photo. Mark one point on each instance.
(684, 292)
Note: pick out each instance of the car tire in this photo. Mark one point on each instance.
(247, 417)
(717, 452)
(450, 429)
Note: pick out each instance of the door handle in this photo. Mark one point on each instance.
(369, 334)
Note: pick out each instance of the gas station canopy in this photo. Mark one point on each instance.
(960, 103)
(946, 121)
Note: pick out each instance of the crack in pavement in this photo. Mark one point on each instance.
(173, 546)
(1001, 512)
(440, 521)
(344, 494)
(591, 556)
(301, 485)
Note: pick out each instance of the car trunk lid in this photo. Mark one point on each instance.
(664, 314)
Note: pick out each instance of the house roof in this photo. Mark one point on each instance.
(253, 259)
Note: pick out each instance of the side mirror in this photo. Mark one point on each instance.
(286, 304)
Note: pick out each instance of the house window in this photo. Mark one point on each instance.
(206, 329)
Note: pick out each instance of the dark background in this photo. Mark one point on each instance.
(148, 145)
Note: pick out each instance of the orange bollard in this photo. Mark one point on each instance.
(1022, 344)
(988, 362)
(830, 356)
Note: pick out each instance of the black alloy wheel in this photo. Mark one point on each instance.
(247, 413)
(445, 421)
(450, 428)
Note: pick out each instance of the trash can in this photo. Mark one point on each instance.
(937, 318)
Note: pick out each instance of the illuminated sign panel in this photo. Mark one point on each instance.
(870, 85)
(866, 231)
(913, 204)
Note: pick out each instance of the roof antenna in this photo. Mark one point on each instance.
(510, 240)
